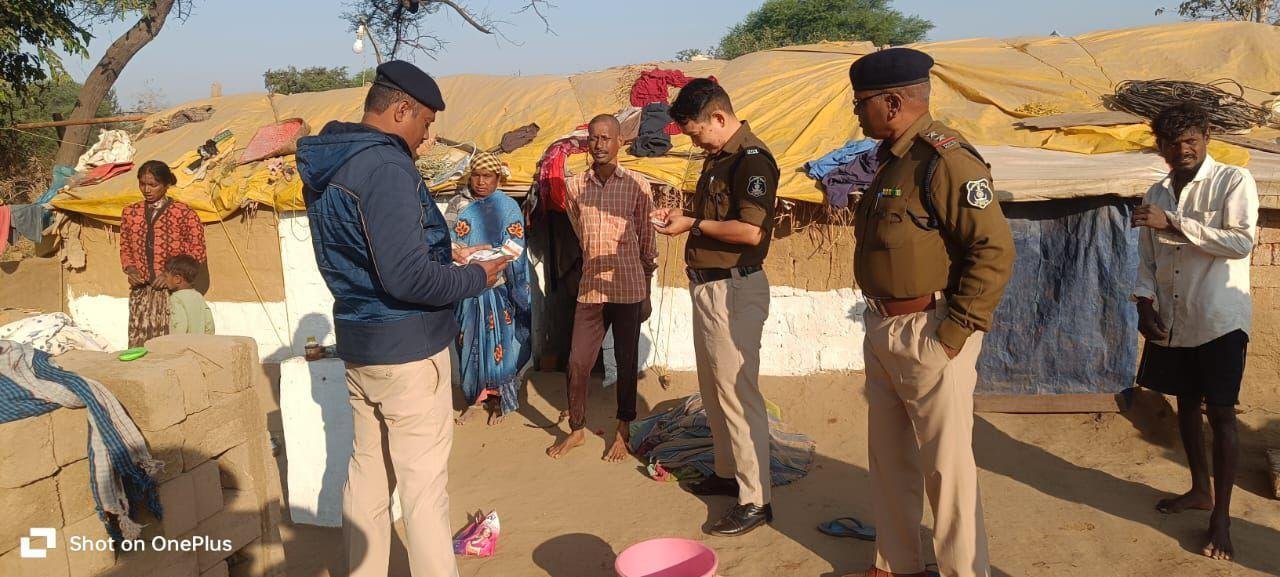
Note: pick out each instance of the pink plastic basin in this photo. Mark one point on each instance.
(667, 558)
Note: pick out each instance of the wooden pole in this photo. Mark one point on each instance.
(105, 120)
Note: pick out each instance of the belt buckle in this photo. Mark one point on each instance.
(873, 305)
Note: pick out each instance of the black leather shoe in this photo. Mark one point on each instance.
(715, 485)
(742, 519)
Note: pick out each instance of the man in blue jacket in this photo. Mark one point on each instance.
(384, 250)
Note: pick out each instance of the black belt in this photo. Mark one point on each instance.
(705, 275)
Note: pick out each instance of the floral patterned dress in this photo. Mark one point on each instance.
(494, 340)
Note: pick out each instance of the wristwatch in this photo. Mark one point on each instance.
(696, 229)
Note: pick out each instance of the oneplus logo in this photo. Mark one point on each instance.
(50, 536)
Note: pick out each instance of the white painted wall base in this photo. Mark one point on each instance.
(318, 432)
(108, 317)
(807, 332)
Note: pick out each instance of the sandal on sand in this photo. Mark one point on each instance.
(848, 527)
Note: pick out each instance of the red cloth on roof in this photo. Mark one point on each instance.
(104, 172)
(653, 84)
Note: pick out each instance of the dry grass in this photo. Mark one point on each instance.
(23, 183)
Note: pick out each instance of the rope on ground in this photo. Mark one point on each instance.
(1228, 111)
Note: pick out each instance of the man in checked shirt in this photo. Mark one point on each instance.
(609, 207)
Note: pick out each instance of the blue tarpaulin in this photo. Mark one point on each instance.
(1065, 324)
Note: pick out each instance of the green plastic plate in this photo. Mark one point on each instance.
(133, 354)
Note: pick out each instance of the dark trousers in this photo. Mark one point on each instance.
(590, 323)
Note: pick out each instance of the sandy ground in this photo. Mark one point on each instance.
(1065, 495)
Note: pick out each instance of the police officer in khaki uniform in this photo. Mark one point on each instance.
(933, 255)
(729, 227)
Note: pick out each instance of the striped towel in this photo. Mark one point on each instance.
(122, 469)
(681, 439)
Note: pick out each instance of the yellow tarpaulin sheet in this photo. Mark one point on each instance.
(797, 100)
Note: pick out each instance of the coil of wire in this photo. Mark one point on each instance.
(1227, 112)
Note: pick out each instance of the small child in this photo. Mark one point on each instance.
(188, 313)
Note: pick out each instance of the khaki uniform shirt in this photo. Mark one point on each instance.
(970, 256)
(738, 183)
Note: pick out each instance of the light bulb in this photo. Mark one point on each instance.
(358, 47)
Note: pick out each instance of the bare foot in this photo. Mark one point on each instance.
(620, 449)
(1190, 500)
(461, 419)
(494, 407)
(574, 440)
(1219, 546)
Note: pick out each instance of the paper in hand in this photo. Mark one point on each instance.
(510, 248)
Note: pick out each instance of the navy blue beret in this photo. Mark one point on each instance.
(890, 68)
(411, 80)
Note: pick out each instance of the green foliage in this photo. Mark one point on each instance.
(291, 80)
(781, 23)
(39, 103)
(30, 31)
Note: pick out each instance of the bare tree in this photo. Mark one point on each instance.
(399, 25)
(151, 98)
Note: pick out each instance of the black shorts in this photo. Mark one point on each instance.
(1211, 372)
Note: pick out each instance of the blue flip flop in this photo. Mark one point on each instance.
(848, 527)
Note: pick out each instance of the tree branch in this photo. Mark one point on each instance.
(466, 15)
(536, 6)
(104, 74)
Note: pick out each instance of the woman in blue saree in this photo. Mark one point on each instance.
(494, 337)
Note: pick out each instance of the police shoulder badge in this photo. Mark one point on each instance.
(978, 193)
(755, 186)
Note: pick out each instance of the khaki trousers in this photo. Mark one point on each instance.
(403, 414)
(728, 319)
(920, 407)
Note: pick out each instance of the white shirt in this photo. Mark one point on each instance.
(1198, 273)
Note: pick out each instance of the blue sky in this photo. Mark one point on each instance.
(234, 41)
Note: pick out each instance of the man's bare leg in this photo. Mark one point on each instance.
(573, 441)
(1226, 454)
(620, 449)
(1190, 424)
